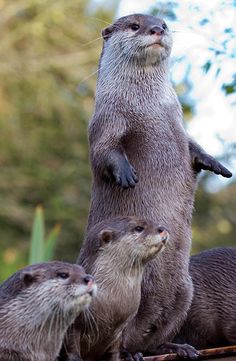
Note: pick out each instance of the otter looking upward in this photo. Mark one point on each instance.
(137, 133)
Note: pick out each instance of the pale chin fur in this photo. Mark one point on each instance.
(81, 290)
(80, 298)
(156, 244)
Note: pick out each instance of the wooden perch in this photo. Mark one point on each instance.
(209, 354)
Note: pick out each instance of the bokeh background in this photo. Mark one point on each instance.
(49, 51)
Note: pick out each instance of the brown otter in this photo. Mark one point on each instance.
(114, 252)
(137, 132)
(37, 305)
(211, 320)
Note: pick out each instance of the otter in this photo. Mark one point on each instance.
(115, 252)
(144, 164)
(211, 320)
(37, 305)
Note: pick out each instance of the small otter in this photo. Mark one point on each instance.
(137, 141)
(37, 305)
(211, 320)
(114, 252)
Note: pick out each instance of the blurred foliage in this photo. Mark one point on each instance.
(199, 19)
(214, 218)
(42, 248)
(46, 52)
(48, 49)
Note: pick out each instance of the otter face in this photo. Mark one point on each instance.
(139, 37)
(133, 239)
(64, 285)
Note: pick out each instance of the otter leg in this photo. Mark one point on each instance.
(107, 153)
(128, 356)
(120, 170)
(201, 160)
(114, 352)
(183, 350)
(70, 350)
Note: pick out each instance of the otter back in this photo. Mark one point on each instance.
(211, 320)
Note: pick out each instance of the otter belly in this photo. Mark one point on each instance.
(164, 193)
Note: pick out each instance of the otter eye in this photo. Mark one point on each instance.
(63, 275)
(139, 229)
(134, 27)
(164, 26)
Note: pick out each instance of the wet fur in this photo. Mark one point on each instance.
(34, 312)
(137, 134)
(117, 268)
(211, 320)
(142, 122)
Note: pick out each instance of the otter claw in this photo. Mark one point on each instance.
(126, 176)
(182, 350)
(209, 163)
(128, 356)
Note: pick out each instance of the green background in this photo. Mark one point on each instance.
(47, 53)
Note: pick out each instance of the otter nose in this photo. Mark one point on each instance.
(161, 229)
(163, 233)
(158, 30)
(88, 279)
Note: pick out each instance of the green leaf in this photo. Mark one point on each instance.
(206, 66)
(50, 243)
(37, 237)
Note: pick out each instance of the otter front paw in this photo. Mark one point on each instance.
(207, 162)
(124, 174)
(182, 350)
(128, 356)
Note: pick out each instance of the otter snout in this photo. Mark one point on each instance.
(91, 285)
(88, 280)
(157, 30)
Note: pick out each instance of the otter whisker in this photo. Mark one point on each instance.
(104, 21)
(92, 41)
(97, 70)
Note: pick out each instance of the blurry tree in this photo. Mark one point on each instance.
(47, 49)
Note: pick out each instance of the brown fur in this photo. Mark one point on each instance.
(114, 252)
(37, 305)
(211, 320)
(137, 135)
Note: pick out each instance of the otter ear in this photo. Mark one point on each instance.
(105, 236)
(28, 277)
(106, 33)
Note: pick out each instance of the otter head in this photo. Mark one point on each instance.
(145, 39)
(63, 286)
(127, 241)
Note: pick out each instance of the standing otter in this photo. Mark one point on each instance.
(137, 133)
(37, 305)
(114, 252)
(211, 320)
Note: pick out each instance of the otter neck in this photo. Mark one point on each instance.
(120, 274)
(115, 73)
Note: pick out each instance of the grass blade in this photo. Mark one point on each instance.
(50, 243)
(37, 237)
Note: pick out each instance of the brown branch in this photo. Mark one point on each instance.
(204, 354)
